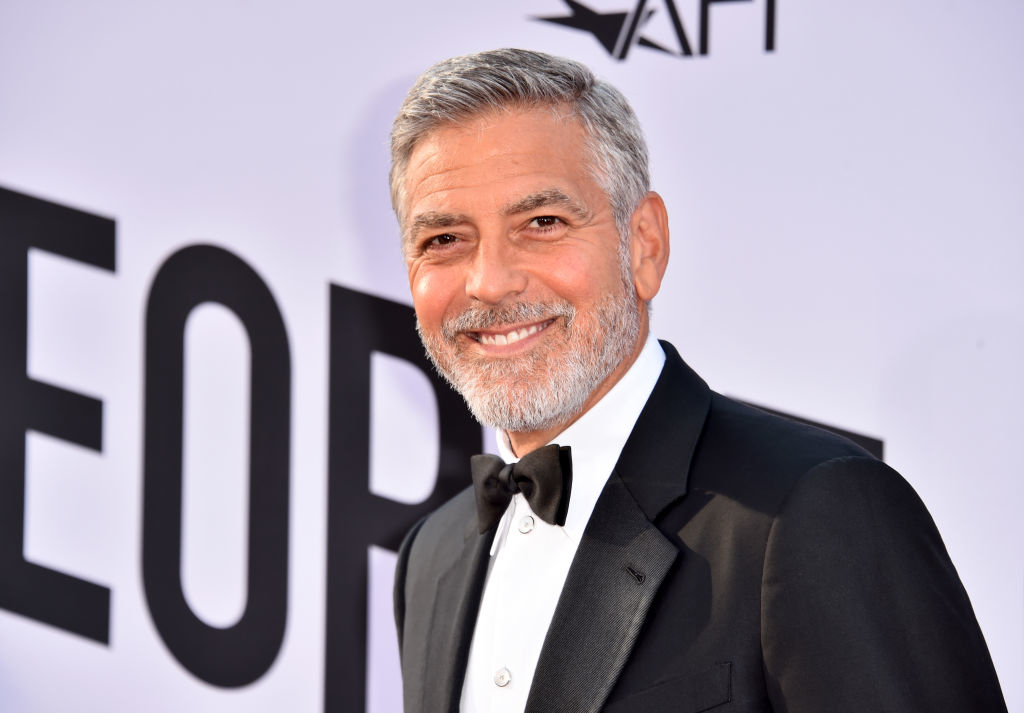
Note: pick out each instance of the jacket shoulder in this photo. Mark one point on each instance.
(758, 457)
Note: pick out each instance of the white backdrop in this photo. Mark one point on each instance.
(848, 246)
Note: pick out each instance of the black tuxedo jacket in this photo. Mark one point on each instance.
(735, 561)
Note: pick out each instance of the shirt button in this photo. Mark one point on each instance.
(526, 525)
(502, 677)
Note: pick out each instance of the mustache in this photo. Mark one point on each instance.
(479, 317)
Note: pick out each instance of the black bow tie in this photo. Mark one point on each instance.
(543, 476)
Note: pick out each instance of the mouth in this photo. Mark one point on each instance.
(510, 336)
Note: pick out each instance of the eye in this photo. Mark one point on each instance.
(439, 241)
(545, 222)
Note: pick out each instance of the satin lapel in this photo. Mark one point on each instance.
(620, 564)
(655, 462)
(456, 602)
(623, 557)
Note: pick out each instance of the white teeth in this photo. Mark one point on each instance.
(512, 337)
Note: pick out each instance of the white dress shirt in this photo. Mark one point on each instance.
(530, 558)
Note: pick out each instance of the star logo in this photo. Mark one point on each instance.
(618, 32)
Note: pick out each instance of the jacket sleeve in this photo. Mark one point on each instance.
(401, 569)
(862, 609)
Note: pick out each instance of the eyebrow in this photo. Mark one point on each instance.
(542, 199)
(434, 219)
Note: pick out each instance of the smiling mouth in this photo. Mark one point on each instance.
(511, 336)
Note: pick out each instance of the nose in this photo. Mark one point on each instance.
(495, 273)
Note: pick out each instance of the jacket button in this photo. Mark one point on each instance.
(502, 677)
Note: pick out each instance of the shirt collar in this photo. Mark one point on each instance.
(597, 437)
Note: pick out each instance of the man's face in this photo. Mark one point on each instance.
(522, 298)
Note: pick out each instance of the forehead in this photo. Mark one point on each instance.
(496, 156)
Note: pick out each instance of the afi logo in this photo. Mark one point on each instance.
(619, 31)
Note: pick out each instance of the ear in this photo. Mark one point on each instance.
(648, 245)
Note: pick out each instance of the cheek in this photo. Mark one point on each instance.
(432, 293)
(579, 280)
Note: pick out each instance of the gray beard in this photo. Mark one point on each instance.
(546, 386)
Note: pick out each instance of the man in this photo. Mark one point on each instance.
(676, 551)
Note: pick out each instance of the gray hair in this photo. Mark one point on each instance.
(462, 87)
